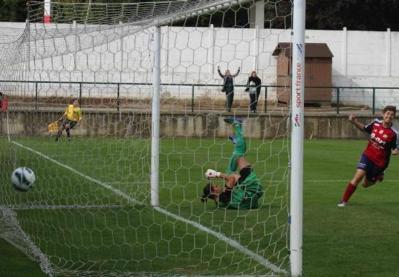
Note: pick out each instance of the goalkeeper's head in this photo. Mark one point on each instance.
(215, 193)
(209, 191)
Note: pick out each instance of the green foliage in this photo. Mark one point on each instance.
(353, 14)
(321, 14)
(13, 10)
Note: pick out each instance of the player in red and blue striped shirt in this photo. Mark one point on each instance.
(383, 141)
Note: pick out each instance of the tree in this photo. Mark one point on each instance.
(13, 10)
(354, 14)
(368, 15)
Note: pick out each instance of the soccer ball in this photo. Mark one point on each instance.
(23, 178)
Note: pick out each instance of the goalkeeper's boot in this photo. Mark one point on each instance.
(233, 139)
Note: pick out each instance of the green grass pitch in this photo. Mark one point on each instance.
(101, 231)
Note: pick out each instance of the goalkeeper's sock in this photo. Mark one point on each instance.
(350, 189)
(232, 166)
(240, 146)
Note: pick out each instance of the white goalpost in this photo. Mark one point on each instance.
(297, 131)
(155, 125)
(122, 195)
(47, 11)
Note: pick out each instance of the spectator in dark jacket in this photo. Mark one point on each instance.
(228, 86)
(253, 87)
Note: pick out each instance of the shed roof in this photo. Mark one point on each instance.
(312, 50)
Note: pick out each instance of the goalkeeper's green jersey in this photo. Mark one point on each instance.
(245, 194)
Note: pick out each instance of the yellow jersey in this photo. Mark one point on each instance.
(73, 113)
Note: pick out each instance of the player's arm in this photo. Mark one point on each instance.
(220, 73)
(238, 72)
(395, 145)
(230, 180)
(63, 116)
(79, 113)
(356, 122)
(248, 82)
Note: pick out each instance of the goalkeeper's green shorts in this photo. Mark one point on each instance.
(241, 199)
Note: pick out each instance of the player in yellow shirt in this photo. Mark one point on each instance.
(70, 118)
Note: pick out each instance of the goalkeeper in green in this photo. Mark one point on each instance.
(242, 190)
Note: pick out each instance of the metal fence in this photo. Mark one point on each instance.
(370, 98)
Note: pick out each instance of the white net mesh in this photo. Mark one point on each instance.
(89, 213)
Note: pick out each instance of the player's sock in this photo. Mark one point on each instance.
(350, 189)
(239, 147)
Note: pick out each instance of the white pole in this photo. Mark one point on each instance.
(156, 83)
(260, 14)
(344, 58)
(27, 26)
(256, 47)
(212, 49)
(8, 127)
(47, 11)
(388, 52)
(166, 43)
(297, 122)
(121, 28)
(76, 41)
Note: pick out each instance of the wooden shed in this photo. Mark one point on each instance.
(318, 72)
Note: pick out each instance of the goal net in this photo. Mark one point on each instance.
(89, 212)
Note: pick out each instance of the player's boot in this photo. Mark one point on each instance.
(342, 204)
(379, 178)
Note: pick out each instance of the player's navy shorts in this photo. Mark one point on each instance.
(372, 171)
(69, 123)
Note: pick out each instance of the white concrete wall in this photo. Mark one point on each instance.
(191, 55)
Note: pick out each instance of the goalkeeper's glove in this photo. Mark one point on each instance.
(210, 173)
